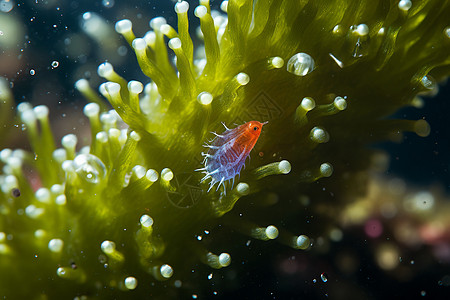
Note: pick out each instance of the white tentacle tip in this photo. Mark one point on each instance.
(181, 7)
(284, 166)
(123, 26)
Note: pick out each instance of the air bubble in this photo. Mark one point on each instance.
(32, 72)
(55, 64)
(89, 167)
(108, 3)
(6, 5)
(324, 277)
(301, 64)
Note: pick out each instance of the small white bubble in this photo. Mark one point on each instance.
(32, 72)
(108, 3)
(55, 64)
(324, 277)
(210, 276)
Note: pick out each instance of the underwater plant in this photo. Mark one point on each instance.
(128, 212)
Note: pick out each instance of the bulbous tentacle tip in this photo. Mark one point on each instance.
(123, 26)
(181, 7)
(130, 283)
(166, 271)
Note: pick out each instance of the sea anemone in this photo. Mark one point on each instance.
(128, 211)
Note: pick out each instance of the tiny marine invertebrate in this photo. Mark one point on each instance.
(227, 153)
(128, 211)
